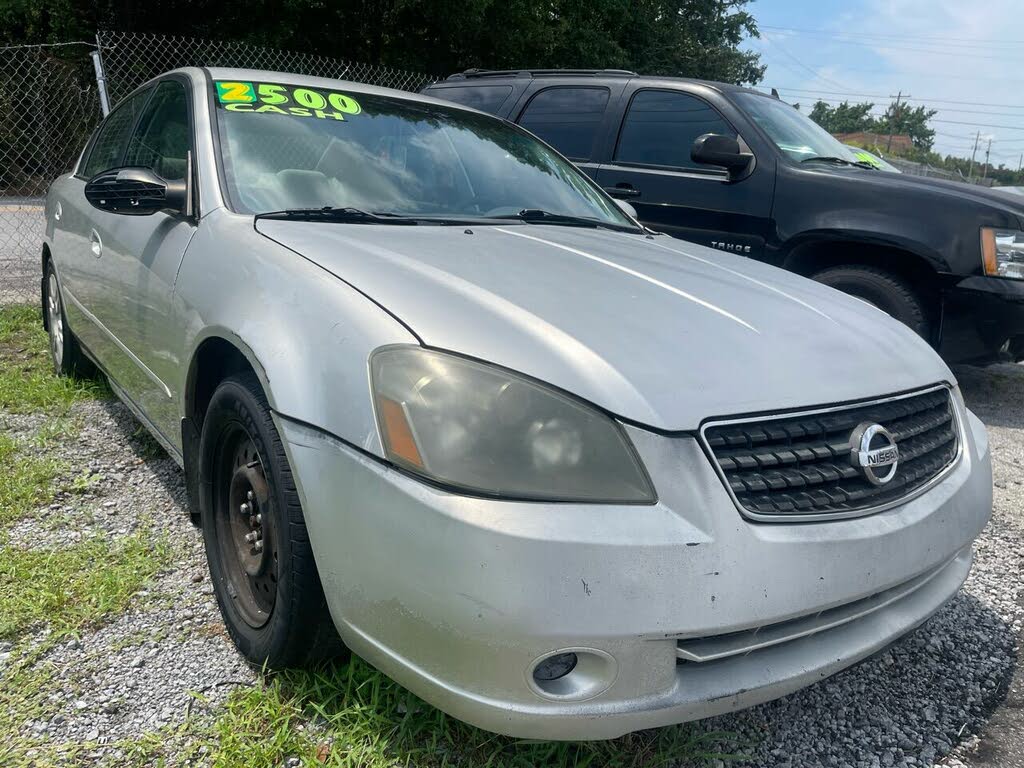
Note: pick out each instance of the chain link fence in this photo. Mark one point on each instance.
(50, 103)
(130, 60)
(48, 108)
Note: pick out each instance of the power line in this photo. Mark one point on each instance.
(868, 35)
(887, 96)
(903, 48)
(907, 98)
(804, 66)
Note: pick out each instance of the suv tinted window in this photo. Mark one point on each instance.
(112, 138)
(660, 127)
(163, 139)
(487, 98)
(567, 118)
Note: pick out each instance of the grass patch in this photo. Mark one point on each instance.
(27, 382)
(74, 587)
(352, 715)
(26, 481)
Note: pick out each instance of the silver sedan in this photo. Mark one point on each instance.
(441, 401)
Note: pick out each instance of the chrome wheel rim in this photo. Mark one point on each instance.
(55, 320)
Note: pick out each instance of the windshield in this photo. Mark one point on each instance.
(793, 132)
(289, 147)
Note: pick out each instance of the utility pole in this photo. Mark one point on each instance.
(894, 113)
(984, 171)
(970, 169)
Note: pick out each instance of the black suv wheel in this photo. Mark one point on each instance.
(890, 293)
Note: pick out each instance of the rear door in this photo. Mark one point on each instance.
(650, 167)
(574, 119)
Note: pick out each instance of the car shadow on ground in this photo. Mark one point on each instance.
(146, 449)
(995, 393)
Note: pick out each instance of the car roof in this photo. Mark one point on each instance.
(590, 75)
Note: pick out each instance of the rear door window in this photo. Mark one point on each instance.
(112, 139)
(567, 118)
(661, 126)
(486, 98)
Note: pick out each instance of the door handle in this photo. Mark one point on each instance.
(96, 244)
(623, 190)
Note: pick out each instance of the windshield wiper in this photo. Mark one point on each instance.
(839, 161)
(538, 216)
(345, 215)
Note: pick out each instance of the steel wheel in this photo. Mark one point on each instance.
(244, 517)
(55, 321)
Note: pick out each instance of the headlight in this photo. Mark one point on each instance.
(485, 430)
(1002, 252)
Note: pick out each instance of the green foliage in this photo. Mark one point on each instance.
(26, 481)
(843, 118)
(899, 120)
(352, 715)
(698, 38)
(76, 586)
(27, 382)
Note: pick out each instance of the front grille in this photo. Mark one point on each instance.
(799, 466)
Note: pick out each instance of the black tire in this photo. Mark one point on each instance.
(65, 351)
(275, 611)
(890, 293)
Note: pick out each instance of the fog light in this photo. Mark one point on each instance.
(572, 674)
(555, 667)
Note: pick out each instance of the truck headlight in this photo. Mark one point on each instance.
(1002, 252)
(485, 430)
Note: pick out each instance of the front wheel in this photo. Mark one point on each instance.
(257, 546)
(889, 292)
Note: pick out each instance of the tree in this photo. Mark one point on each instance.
(697, 38)
(844, 118)
(902, 120)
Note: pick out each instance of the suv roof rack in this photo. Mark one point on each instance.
(471, 73)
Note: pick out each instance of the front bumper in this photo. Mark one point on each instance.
(979, 315)
(458, 597)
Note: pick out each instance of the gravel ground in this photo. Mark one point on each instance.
(139, 672)
(934, 698)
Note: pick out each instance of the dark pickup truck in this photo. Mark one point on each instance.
(741, 171)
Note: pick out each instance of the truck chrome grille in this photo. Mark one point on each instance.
(799, 466)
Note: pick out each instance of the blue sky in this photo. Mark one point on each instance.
(961, 58)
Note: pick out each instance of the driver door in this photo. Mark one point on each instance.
(146, 251)
(651, 168)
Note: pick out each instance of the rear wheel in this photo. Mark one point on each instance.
(889, 292)
(257, 546)
(65, 351)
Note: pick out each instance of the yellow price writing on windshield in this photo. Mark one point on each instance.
(280, 99)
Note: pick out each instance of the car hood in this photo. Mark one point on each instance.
(893, 182)
(657, 331)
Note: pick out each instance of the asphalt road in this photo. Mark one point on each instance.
(21, 237)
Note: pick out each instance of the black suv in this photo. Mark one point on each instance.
(737, 170)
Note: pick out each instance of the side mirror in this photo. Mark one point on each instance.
(625, 207)
(136, 192)
(715, 149)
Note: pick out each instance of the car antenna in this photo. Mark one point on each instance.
(775, 94)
